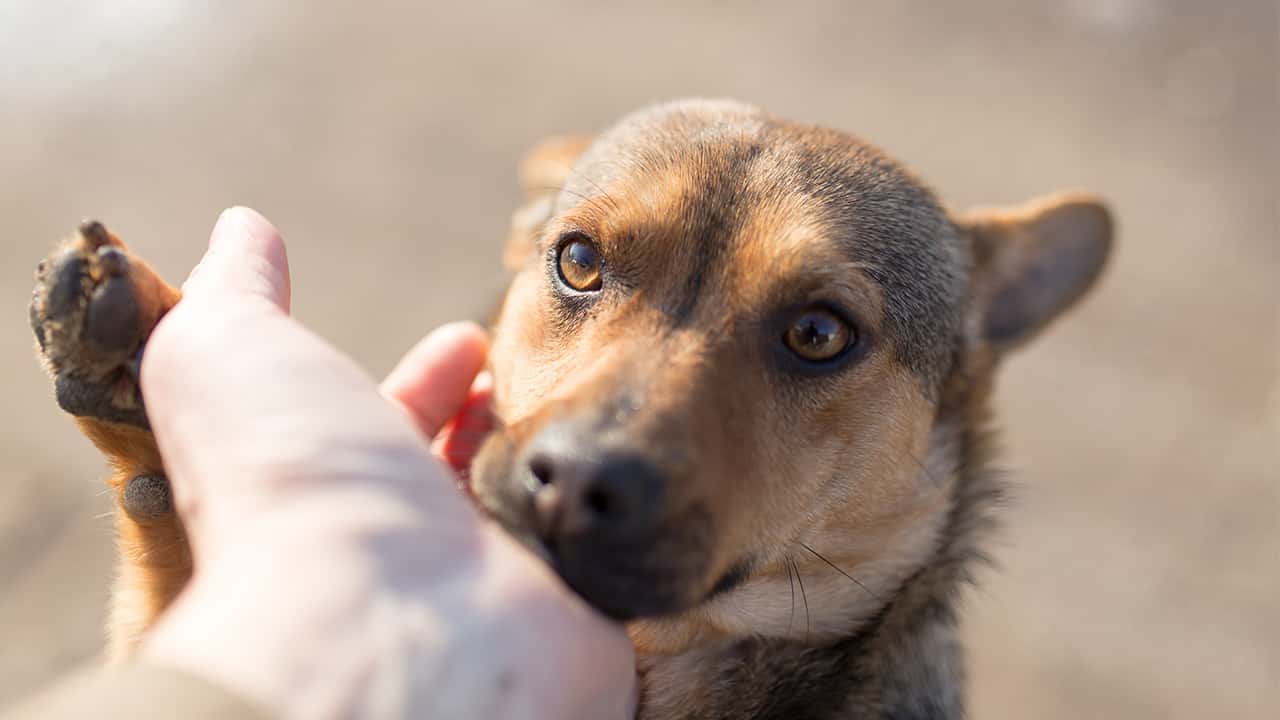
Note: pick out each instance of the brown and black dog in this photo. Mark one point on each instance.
(742, 390)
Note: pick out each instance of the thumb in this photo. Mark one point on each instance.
(246, 258)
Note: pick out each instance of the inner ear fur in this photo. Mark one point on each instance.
(1032, 263)
(543, 171)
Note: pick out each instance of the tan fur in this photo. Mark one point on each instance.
(154, 560)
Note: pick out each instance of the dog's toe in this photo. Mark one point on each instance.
(112, 321)
(113, 261)
(67, 284)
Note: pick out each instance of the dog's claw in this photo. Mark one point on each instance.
(95, 233)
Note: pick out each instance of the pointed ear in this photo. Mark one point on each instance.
(543, 171)
(1034, 262)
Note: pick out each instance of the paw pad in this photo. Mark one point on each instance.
(147, 497)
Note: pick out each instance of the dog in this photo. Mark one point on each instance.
(742, 389)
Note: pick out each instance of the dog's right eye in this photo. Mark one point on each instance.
(818, 335)
(579, 263)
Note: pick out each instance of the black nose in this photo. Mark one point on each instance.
(579, 494)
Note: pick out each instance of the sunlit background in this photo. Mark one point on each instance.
(1141, 561)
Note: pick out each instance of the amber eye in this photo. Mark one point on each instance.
(580, 265)
(817, 335)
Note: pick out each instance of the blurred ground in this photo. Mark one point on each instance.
(1140, 574)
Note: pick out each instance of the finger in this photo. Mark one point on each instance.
(460, 440)
(433, 380)
(246, 257)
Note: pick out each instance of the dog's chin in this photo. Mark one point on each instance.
(624, 583)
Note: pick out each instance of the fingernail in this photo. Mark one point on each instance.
(243, 239)
(225, 224)
(242, 219)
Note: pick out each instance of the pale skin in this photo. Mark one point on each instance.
(339, 570)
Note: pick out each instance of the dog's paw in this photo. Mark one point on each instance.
(92, 310)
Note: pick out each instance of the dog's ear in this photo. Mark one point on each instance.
(543, 171)
(1033, 262)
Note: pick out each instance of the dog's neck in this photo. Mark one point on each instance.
(903, 662)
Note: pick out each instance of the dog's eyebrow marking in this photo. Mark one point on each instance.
(693, 202)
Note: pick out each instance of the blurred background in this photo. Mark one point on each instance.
(1141, 562)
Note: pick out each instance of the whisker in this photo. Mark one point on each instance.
(923, 469)
(838, 569)
(585, 198)
(145, 555)
(803, 596)
(791, 580)
(603, 192)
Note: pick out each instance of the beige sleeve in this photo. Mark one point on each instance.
(137, 692)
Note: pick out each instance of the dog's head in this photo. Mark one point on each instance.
(719, 367)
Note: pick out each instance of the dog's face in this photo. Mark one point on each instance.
(721, 359)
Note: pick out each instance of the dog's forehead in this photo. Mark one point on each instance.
(721, 178)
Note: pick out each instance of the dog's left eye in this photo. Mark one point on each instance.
(579, 263)
(818, 335)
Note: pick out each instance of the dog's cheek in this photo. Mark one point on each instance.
(519, 342)
(490, 464)
(494, 485)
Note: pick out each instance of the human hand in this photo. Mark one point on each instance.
(339, 571)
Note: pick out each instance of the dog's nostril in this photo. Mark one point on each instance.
(579, 492)
(541, 469)
(598, 501)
